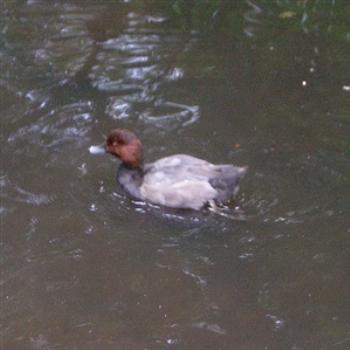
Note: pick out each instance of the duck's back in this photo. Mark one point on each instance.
(183, 181)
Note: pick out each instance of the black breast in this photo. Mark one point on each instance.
(130, 180)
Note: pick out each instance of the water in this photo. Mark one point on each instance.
(85, 267)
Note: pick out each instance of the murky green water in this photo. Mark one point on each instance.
(85, 267)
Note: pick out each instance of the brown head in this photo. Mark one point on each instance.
(125, 145)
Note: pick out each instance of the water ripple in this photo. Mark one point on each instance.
(181, 116)
(212, 327)
(67, 123)
(32, 198)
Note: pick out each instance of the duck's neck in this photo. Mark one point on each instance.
(130, 179)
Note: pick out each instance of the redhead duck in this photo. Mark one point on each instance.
(178, 181)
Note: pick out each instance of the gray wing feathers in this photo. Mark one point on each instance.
(183, 181)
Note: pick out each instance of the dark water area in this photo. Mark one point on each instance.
(85, 267)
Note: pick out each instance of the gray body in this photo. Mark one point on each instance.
(181, 181)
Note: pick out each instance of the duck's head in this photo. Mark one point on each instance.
(125, 145)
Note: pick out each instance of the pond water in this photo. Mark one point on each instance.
(85, 267)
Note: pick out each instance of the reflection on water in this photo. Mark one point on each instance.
(86, 267)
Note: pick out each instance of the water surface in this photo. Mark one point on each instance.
(86, 267)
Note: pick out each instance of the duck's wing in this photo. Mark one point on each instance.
(178, 181)
(176, 161)
(190, 194)
(183, 181)
(178, 168)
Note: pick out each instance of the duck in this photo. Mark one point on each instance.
(177, 181)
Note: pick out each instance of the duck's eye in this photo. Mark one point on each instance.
(120, 142)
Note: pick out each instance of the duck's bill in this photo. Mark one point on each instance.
(97, 150)
(242, 170)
